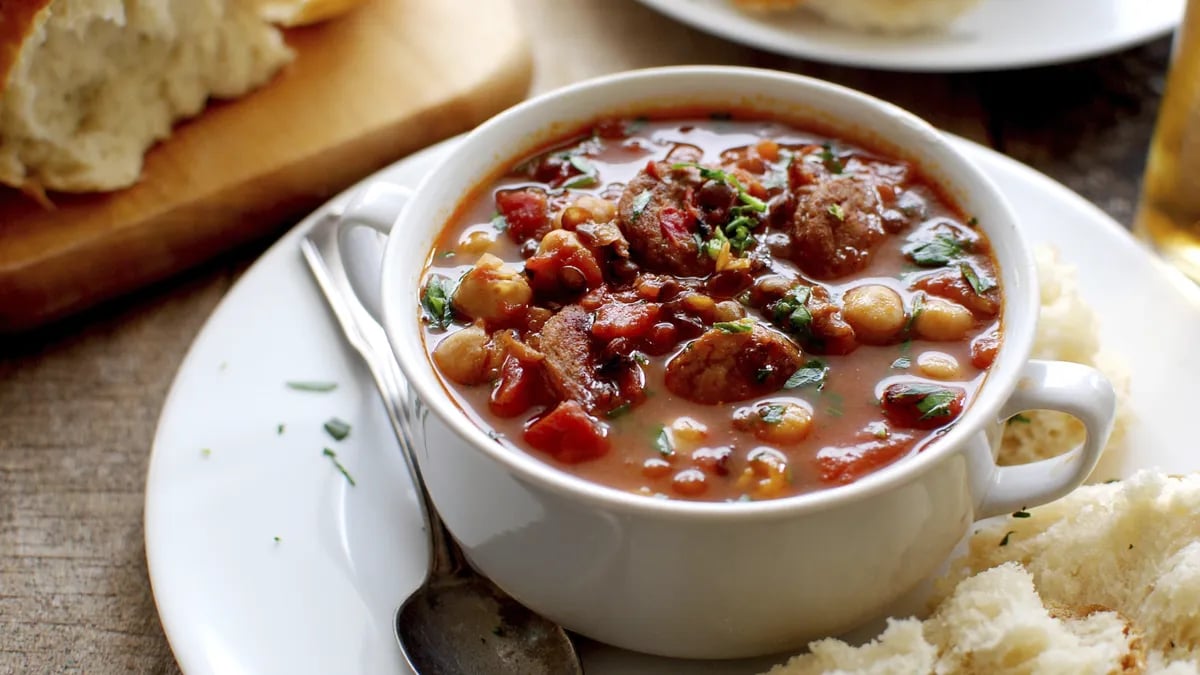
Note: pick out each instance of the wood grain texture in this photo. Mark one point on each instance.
(390, 77)
(79, 402)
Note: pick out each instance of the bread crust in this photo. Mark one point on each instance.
(18, 18)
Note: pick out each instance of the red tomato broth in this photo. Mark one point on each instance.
(847, 438)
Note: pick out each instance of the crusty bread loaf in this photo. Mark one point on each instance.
(89, 85)
(1068, 330)
(1105, 580)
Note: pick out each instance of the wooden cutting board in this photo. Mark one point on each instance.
(364, 90)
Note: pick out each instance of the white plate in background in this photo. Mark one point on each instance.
(996, 35)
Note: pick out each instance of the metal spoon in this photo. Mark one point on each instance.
(456, 621)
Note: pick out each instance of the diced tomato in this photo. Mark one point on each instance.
(917, 405)
(652, 169)
(841, 466)
(569, 434)
(519, 387)
(569, 269)
(768, 150)
(616, 320)
(952, 285)
(674, 223)
(984, 348)
(526, 211)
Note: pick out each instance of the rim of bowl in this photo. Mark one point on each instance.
(1018, 277)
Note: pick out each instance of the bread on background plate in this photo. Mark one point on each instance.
(880, 16)
(87, 86)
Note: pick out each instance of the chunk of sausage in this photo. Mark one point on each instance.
(722, 366)
(837, 221)
(658, 223)
(492, 292)
(571, 362)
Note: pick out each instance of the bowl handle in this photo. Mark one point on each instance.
(1079, 391)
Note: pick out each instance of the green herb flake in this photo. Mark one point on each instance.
(1022, 514)
(978, 284)
(619, 410)
(333, 458)
(1110, 481)
(446, 254)
(662, 442)
(739, 326)
(320, 387)
(640, 202)
(206, 452)
(1019, 419)
(831, 160)
(937, 252)
(278, 540)
(1004, 541)
(879, 430)
(836, 211)
(936, 404)
(337, 428)
(279, 430)
(813, 373)
(641, 358)
(771, 414)
(973, 221)
(902, 363)
(500, 223)
(436, 302)
(917, 307)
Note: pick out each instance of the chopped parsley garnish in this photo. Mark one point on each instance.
(277, 540)
(973, 221)
(790, 311)
(662, 442)
(436, 301)
(902, 363)
(641, 358)
(936, 404)
(589, 177)
(499, 222)
(936, 252)
(1019, 419)
(279, 430)
(640, 202)
(771, 414)
(1022, 514)
(1110, 481)
(312, 386)
(738, 230)
(836, 211)
(333, 458)
(831, 160)
(879, 430)
(206, 452)
(739, 326)
(979, 284)
(619, 410)
(1004, 541)
(918, 306)
(338, 429)
(813, 373)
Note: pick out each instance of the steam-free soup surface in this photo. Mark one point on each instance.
(712, 308)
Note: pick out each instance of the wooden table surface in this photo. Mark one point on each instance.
(79, 401)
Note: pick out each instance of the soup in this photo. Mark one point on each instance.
(712, 308)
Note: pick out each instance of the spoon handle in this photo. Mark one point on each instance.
(321, 250)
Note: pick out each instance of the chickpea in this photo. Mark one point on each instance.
(688, 432)
(556, 239)
(655, 467)
(690, 482)
(943, 321)
(938, 365)
(766, 473)
(783, 423)
(588, 208)
(728, 310)
(462, 356)
(489, 291)
(876, 312)
(477, 242)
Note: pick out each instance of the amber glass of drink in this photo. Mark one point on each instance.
(1169, 213)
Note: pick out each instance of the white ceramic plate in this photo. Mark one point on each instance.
(225, 481)
(998, 34)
